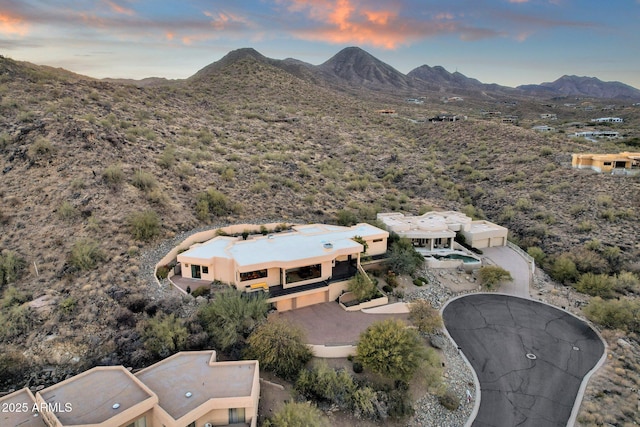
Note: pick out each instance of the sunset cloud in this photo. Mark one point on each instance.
(12, 25)
(119, 8)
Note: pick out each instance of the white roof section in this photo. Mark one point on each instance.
(441, 223)
(304, 242)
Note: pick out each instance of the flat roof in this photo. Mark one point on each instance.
(196, 373)
(93, 394)
(24, 416)
(306, 241)
(480, 226)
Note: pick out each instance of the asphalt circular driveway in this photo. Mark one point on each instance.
(530, 358)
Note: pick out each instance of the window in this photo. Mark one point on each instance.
(252, 275)
(236, 415)
(607, 163)
(140, 422)
(193, 424)
(299, 274)
(205, 270)
(377, 240)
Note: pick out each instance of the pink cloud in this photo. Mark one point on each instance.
(12, 25)
(119, 8)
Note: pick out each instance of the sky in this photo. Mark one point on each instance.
(509, 42)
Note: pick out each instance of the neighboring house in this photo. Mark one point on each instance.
(446, 118)
(308, 265)
(414, 101)
(544, 128)
(549, 116)
(187, 389)
(387, 112)
(626, 162)
(436, 231)
(597, 134)
(608, 120)
(510, 119)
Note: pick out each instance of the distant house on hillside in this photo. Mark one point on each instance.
(596, 134)
(309, 265)
(549, 116)
(623, 163)
(608, 120)
(387, 112)
(414, 101)
(510, 119)
(446, 118)
(544, 128)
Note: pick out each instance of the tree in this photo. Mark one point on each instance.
(623, 314)
(491, 275)
(537, 254)
(164, 334)
(391, 349)
(600, 285)
(362, 287)
(426, 318)
(232, 315)
(294, 414)
(280, 347)
(403, 258)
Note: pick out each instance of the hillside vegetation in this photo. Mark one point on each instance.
(95, 174)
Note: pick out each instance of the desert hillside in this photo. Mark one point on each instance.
(95, 175)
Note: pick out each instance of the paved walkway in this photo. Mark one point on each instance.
(329, 324)
(530, 358)
(511, 261)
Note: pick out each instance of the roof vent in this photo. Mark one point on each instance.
(328, 245)
(270, 236)
(116, 406)
(188, 394)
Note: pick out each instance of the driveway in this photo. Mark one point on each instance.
(530, 358)
(329, 324)
(511, 261)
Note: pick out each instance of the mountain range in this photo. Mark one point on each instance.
(354, 69)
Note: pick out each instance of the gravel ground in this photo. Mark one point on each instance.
(458, 377)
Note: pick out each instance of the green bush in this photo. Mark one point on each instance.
(280, 347)
(403, 258)
(563, 269)
(67, 211)
(391, 349)
(13, 366)
(623, 314)
(357, 367)
(627, 282)
(144, 225)
(294, 414)
(162, 272)
(16, 321)
(362, 287)
(600, 285)
(537, 254)
(143, 180)
(213, 203)
(327, 384)
(164, 335)
(68, 305)
(12, 296)
(492, 275)
(346, 217)
(40, 148)
(426, 318)
(86, 254)
(203, 291)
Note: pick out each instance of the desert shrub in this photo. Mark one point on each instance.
(113, 176)
(432, 370)
(12, 296)
(357, 367)
(203, 291)
(40, 148)
(589, 261)
(391, 349)
(537, 254)
(399, 403)
(346, 217)
(168, 158)
(392, 279)
(162, 272)
(325, 383)
(387, 289)
(231, 316)
(11, 267)
(362, 287)
(426, 318)
(213, 203)
(144, 225)
(492, 275)
(584, 226)
(16, 321)
(86, 254)
(403, 258)
(67, 211)
(449, 400)
(143, 180)
(164, 335)
(297, 414)
(67, 305)
(363, 402)
(418, 282)
(563, 269)
(596, 285)
(627, 282)
(280, 347)
(13, 366)
(623, 314)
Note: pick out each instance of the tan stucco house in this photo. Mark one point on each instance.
(308, 265)
(626, 162)
(436, 231)
(188, 389)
